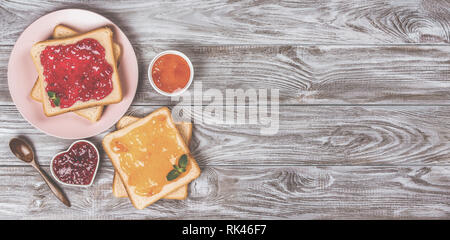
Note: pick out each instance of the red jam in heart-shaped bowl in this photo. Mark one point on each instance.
(77, 166)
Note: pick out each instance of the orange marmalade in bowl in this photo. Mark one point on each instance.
(148, 153)
(170, 73)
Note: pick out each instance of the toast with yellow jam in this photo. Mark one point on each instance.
(185, 130)
(151, 158)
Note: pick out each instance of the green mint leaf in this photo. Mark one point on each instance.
(180, 170)
(182, 162)
(56, 101)
(51, 95)
(172, 175)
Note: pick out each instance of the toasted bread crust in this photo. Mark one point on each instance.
(140, 202)
(93, 113)
(35, 93)
(114, 97)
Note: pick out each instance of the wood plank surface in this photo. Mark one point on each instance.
(243, 192)
(364, 115)
(308, 135)
(304, 74)
(254, 22)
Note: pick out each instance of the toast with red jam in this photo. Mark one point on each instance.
(77, 72)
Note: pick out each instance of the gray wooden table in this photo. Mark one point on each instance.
(364, 110)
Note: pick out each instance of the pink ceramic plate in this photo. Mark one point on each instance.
(22, 75)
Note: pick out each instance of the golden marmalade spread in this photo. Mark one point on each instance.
(147, 154)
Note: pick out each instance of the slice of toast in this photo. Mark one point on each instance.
(61, 31)
(93, 113)
(185, 129)
(145, 168)
(104, 37)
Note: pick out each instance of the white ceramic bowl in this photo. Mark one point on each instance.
(150, 78)
(75, 185)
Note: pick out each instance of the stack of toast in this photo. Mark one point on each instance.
(129, 146)
(93, 108)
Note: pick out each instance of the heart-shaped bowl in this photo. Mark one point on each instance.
(67, 152)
